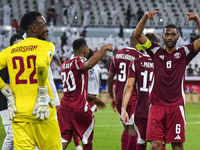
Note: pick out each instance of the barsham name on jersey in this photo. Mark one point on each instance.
(24, 48)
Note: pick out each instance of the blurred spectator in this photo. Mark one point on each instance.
(193, 36)
(74, 36)
(49, 15)
(41, 6)
(54, 17)
(12, 32)
(71, 12)
(159, 5)
(15, 24)
(140, 13)
(180, 32)
(66, 51)
(1, 38)
(101, 64)
(104, 75)
(64, 14)
(107, 65)
(63, 39)
(121, 32)
(196, 70)
(128, 15)
(86, 13)
(113, 12)
(51, 32)
(83, 33)
(6, 41)
(157, 32)
(6, 15)
(104, 13)
(190, 70)
(185, 41)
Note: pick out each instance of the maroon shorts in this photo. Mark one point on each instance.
(166, 123)
(130, 110)
(140, 125)
(80, 122)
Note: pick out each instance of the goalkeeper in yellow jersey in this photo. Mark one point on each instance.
(29, 97)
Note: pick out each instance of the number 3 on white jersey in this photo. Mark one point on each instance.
(70, 76)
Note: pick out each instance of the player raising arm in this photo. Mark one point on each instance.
(166, 120)
(74, 105)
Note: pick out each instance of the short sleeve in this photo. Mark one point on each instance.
(132, 70)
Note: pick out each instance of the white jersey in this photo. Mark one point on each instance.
(93, 80)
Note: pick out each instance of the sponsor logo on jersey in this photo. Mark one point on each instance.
(24, 48)
(177, 137)
(161, 57)
(177, 55)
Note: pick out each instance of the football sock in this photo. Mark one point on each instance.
(163, 147)
(140, 147)
(75, 138)
(79, 148)
(124, 140)
(87, 147)
(132, 142)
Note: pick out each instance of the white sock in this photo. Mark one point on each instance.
(79, 148)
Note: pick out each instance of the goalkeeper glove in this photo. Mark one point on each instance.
(41, 108)
(7, 92)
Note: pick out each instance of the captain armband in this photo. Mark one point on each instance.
(146, 45)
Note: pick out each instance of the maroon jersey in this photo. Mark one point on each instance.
(119, 65)
(75, 85)
(169, 74)
(142, 70)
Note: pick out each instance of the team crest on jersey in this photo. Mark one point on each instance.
(177, 55)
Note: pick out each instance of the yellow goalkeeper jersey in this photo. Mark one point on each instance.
(21, 60)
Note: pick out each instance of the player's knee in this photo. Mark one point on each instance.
(156, 145)
(177, 146)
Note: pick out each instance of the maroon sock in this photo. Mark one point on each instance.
(75, 138)
(132, 143)
(124, 140)
(163, 147)
(87, 147)
(141, 147)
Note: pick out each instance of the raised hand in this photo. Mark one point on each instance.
(150, 14)
(191, 16)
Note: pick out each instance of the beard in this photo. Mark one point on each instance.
(171, 45)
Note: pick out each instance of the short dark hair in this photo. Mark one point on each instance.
(152, 37)
(28, 19)
(91, 53)
(14, 38)
(78, 43)
(170, 26)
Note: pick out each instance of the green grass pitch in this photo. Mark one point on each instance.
(108, 130)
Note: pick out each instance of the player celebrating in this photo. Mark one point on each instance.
(140, 71)
(166, 120)
(119, 66)
(74, 105)
(29, 92)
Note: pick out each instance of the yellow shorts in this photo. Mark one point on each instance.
(46, 136)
